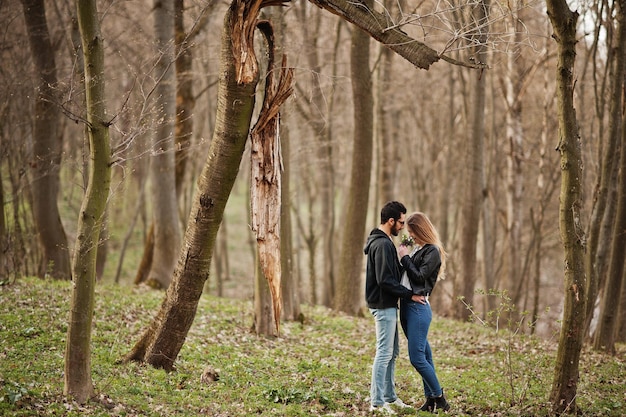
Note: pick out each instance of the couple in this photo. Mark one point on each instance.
(385, 284)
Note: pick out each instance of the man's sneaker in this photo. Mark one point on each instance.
(399, 403)
(384, 409)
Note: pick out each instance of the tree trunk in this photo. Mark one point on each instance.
(266, 172)
(597, 255)
(77, 376)
(161, 342)
(318, 115)
(473, 194)
(620, 332)
(349, 296)
(185, 100)
(289, 282)
(609, 319)
(162, 167)
(47, 147)
(565, 382)
(5, 264)
(514, 79)
(387, 146)
(264, 320)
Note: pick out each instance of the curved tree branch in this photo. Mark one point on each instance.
(377, 25)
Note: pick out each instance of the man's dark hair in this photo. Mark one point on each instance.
(392, 210)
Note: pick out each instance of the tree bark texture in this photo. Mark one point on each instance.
(266, 173)
(610, 306)
(379, 26)
(349, 296)
(77, 376)
(565, 382)
(47, 147)
(162, 340)
(167, 230)
(265, 322)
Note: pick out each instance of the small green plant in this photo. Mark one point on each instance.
(518, 363)
(13, 392)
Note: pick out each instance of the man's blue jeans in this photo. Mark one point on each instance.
(415, 319)
(387, 349)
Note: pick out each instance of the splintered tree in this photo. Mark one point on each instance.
(239, 74)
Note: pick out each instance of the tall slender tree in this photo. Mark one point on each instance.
(565, 382)
(77, 376)
(473, 193)
(167, 230)
(513, 81)
(599, 231)
(609, 318)
(348, 296)
(47, 146)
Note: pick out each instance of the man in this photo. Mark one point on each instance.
(382, 291)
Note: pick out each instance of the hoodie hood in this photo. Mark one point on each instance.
(374, 235)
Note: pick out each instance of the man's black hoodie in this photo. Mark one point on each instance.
(382, 276)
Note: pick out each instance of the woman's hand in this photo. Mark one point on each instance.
(403, 250)
(419, 298)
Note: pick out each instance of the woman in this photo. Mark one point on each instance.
(422, 267)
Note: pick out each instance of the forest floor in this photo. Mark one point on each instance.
(320, 367)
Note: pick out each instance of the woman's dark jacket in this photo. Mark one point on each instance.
(422, 269)
(383, 272)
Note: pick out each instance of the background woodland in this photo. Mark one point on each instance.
(471, 141)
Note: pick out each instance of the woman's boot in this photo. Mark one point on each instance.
(440, 403)
(428, 405)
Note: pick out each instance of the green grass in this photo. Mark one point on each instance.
(319, 368)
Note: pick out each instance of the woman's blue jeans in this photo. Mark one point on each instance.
(387, 349)
(415, 319)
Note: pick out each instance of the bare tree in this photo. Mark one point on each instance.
(163, 167)
(473, 193)
(77, 376)
(514, 80)
(565, 382)
(47, 146)
(317, 114)
(348, 297)
(600, 227)
(608, 320)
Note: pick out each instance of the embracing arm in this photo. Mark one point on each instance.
(387, 271)
(423, 272)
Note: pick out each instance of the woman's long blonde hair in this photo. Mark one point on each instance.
(420, 225)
